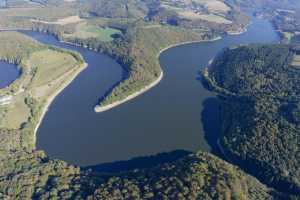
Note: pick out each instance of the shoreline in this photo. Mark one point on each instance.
(51, 98)
(99, 109)
(188, 42)
(234, 33)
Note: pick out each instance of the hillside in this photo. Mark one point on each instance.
(199, 14)
(199, 176)
(33, 175)
(259, 89)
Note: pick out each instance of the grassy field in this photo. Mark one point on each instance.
(206, 17)
(215, 5)
(45, 69)
(85, 30)
(16, 46)
(48, 13)
(62, 21)
(50, 65)
(212, 10)
(16, 114)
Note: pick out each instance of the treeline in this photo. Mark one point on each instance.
(260, 96)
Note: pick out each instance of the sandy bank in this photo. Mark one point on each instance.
(132, 96)
(52, 97)
(189, 42)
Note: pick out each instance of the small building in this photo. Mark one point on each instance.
(5, 100)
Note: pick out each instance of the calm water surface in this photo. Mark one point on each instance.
(177, 114)
(8, 73)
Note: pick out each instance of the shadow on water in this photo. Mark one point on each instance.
(210, 118)
(140, 162)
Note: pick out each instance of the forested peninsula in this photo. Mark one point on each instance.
(258, 86)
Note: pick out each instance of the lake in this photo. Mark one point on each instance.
(177, 114)
(8, 73)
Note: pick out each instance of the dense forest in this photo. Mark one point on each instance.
(26, 175)
(260, 96)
